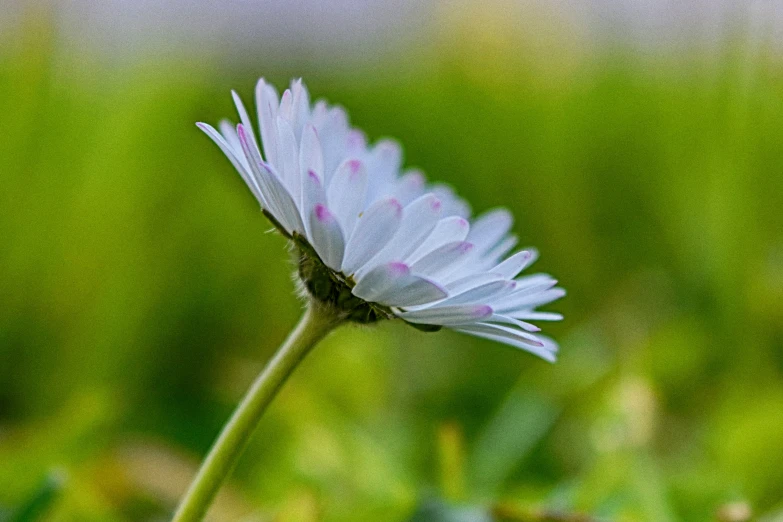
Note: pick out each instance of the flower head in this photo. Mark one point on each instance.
(376, 242)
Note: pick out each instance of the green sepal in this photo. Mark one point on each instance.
(426, 327)
(280, 228)
(334, 288)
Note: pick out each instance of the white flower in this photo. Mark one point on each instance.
(378, 242)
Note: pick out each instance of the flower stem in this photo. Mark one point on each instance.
(316, 322)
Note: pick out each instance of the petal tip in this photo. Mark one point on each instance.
(465, 247)
(482, 311)
(396, 205)
(398, 268)
(313, 175)
(354, 166)
(322, 213)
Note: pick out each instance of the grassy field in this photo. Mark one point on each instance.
(140, 294)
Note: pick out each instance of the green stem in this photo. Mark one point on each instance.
(314, 325)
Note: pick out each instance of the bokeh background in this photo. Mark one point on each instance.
(638, 143)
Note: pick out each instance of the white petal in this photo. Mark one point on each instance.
(301, 106)
(419, 291)
(383, 166)
(386, 158)
(516, 333)
(542, 298)
(441, 261)
(252, 152)
(310, 154)
(534, 280)
(380, 280)
(409, 187)
(286, 106)
(319, 112)
(373, 230)
(267, 104)
(512, 266)
(504, 319)
(345, 193)
(472, 281)
(528, 300)
(356, 142)
(491, 258)
(542, 347)
(239, 164)
(525, 288)
(484, 294)
(448, 230)
(312, 194)
(229, 133)
(244, 118)
(327, 238)
(448, 315)
(489, 228)
(288, 165)
(538, 316)
(281, 204)
(452, 204)
(392, 284)
(333, 133)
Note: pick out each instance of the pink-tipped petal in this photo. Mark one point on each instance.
(326, 236)
(504, 319)
(392, 284)
(471, 281)
(512, 266)
(486, 293)
(528, 297)
(381, 280)
(410, 186)
(448, 315)
(448, 230)
(538, 345)
(356, 142)
(313, 194)
(444, 260)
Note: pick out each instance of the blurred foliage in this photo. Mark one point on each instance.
(140, 294)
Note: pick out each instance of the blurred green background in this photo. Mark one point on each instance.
(140, 293)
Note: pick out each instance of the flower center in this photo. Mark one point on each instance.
(334, 288)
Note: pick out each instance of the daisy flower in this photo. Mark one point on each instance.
(373, 243)
(376, 241)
